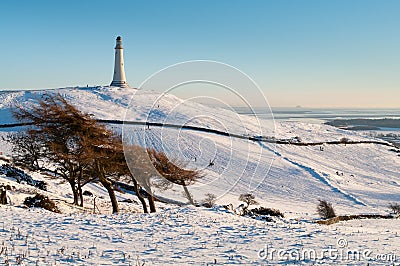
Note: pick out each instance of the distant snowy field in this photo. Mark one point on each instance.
(362, 178)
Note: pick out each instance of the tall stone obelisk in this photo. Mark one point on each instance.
(119, 79)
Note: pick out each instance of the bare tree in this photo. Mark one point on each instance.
(101, 150)
(81, 149)
(248, 198)
(70, 138)
(58, 126)
(27, 150)
(105, 153)
(142, 171)
(209, 200)
(127, 175)
(174, 173)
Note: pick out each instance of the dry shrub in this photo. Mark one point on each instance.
(209, 200)
(41, 201)
(325, 209)
(266, 211)
(394, 208)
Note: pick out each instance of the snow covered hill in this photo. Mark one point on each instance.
(361, 177)
(356, 178)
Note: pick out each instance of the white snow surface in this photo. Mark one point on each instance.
(362, 178)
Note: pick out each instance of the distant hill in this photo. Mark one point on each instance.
(365, 124)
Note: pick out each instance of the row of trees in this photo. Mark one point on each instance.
(80, 150)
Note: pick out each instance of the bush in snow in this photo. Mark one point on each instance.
(395, 208)
(41, 201)
(325, 209)
(209, 200)
(266, 211)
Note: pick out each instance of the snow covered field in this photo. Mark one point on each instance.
(191, 236)
(362, 178)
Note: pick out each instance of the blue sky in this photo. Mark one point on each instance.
(342, 53)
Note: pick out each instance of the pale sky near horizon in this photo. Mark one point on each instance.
(342, 53)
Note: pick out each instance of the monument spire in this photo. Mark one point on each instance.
(119, 79)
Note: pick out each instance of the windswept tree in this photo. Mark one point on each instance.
(59, 127)
(142, 172)
(104, 151)
(174, 173)
(80, 148)
(106, 163)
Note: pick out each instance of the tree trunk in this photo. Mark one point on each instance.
(107, 185)
(80, 194)
(188, 196)
(80, 187)
(76, 197)
(111, 193)
(113, 199)
(3, 196)
(74, 191)
(140, 197)
(152, 205)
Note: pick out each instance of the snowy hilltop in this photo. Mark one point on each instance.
(287, 166)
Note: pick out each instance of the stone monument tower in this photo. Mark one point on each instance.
(119, 79)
